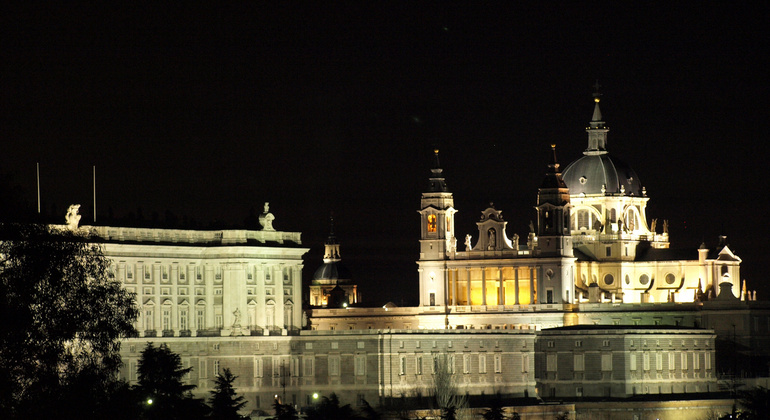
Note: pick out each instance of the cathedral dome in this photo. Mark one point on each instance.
(334, 270)
(600, 174)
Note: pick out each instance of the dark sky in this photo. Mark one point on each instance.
(207, 112)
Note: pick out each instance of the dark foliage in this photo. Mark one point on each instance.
(284, 411)
(329, 409)
(161, 390)
(495, 411)
(224, 402)
(369, 413)
(755, 403)
(62, 320)
(449, 413)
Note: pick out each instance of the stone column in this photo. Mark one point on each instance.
(516, 283)
(531, 285)
(468, 289)
(484, 286)
(500, 292)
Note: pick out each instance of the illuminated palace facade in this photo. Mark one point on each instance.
(592, 302)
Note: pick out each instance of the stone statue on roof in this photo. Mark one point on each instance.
(72, 217)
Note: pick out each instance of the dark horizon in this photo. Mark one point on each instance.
(208, 112)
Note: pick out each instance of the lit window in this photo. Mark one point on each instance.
(431, 223)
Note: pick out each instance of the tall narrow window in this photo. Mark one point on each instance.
(498, 364)
(402, 365)
(482, 363)
(200, 319)
(431, 223)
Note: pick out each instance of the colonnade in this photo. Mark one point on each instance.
(492, 285)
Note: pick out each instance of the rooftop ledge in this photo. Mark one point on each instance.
(193, 237)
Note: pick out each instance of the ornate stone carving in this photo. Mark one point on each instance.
(72, 217)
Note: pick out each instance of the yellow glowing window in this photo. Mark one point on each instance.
(431, 223)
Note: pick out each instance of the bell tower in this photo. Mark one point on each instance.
(553, 213)
(437, 240)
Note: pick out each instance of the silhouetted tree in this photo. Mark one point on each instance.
(224, 402)
(755, 403)
(445, 390)
(495, 411)
(284, 411)
(161, 389)
(62, 318)
(369, 413)
(329, 409)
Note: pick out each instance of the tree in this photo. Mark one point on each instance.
(495, 410)
(224, 402)
(448, 398)
(755, 403)
(330, 409)
(161, 388)
(284, 411)
(63, 317)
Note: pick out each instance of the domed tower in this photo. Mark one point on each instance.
(437, 240)
(332, 275)
(609, 203)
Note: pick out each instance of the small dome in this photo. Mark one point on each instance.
(332, 271)
(593, 171)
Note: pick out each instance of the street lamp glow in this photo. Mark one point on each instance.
(315, 395)
(149, 401)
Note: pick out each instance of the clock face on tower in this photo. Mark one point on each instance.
(431, 223)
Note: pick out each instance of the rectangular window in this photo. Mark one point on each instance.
(183, 319)
(707, 360)
(632, 361)
(148, 324)
(166, 319)
(684, 361)
(308, 370)
(257, 367)
(550, 363)
(646, 360)
(482, 363)
(132, 370)
(498, 364)
(334, 366)
(671, 360)
(658, 361)
(200, 319)
(295, 366)
(696, 361)
(450, 363)
(418, 365)
(466, 363)
(202, 369)
(402, 365)
(360, 365)
(608, 251)
(216, 367)
(524, 362)
(579, 362)
(218, 320)
(607, 362)
(335, 345)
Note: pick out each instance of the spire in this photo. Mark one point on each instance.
(597, 131)
(331, 247)
(437, 181)
(553, 177)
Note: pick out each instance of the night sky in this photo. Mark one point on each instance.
(196, 115)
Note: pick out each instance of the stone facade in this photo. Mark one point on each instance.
(357, 365)
(620, 362)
